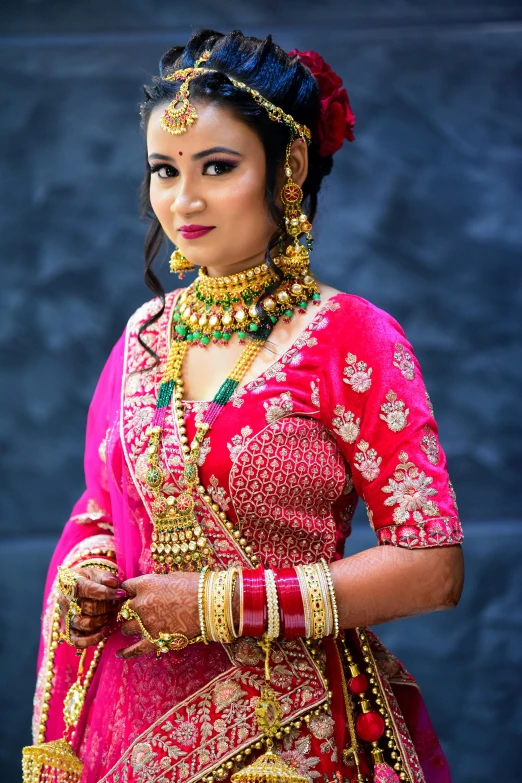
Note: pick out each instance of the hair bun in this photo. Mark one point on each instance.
(337, 119)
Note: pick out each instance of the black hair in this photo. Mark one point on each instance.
(283, 80)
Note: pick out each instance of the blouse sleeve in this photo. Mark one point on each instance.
(376, 405)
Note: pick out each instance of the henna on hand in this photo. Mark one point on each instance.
(99, 598)
(166, 603)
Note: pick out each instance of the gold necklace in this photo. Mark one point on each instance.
(178, 541)
(212, 309)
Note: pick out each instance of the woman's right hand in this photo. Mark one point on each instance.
(100, 597)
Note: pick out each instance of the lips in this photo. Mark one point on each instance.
(194, 231)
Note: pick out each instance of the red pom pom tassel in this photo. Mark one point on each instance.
(370, 726)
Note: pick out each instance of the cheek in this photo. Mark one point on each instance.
(244, 200)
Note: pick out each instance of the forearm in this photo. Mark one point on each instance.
(388, 583)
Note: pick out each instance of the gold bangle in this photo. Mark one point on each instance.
(201, 602)
(316, 601)
(333, 599)
(207, 604)
(166, 642)
(233, 574)
(306, 601)
(272, 606)
(328, 624)
(105, 565)
(219, 607)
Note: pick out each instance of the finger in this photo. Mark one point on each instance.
(100, 576)
(131, 628)
(143, 647)
(131, 586)
(93, 608)
(87, 588)
(91, 624)
(81, 642)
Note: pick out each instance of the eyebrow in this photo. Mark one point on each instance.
(198, 155)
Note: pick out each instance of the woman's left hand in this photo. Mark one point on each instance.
(166, 603)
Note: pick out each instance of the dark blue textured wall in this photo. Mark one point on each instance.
(422, 215)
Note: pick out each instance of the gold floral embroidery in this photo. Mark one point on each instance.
(430, 446)
(345, 424)
(237, 397)
(141, 756)
(239, 442)
(300, 760)
(316, 400)
(204, 451)
(102, 448)
(277, 407)
(322, 726)
(410, 490)
(452, 494)
(394, 412)
(94, 513)
(430, 406)
(276, 371)
(403, 361)
(358, 374)
(367, 461)
(218, 494)
(226, 693)
(186, 733)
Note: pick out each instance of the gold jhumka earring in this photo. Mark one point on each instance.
(179, 264)
(296, 258)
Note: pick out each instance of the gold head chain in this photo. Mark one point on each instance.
(181, 114)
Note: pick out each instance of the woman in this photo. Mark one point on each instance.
(234, 426)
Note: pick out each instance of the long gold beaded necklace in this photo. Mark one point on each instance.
(178, 541)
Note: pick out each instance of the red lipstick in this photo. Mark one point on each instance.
(193, 231)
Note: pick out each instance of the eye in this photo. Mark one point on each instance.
(216, 168)
(163, 171)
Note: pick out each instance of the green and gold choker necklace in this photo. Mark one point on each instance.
(212, 309)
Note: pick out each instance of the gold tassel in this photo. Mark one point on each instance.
(56, 761)
(270, 767)
(51, 762)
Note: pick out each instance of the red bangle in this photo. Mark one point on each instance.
(290, 602)
(254, 601)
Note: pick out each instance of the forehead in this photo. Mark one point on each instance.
(214, 127)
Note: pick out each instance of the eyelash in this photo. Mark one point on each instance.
(228, 167)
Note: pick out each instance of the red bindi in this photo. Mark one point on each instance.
(180, 153)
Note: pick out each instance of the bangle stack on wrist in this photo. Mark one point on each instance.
(290, 602)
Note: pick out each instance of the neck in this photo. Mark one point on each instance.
(239, 266)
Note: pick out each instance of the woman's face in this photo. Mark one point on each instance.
(213, 176)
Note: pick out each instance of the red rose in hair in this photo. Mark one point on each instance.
(337, 119)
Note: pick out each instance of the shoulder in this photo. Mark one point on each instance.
(361, 321)
(366, 334)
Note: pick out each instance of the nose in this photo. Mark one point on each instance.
(186, 199)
